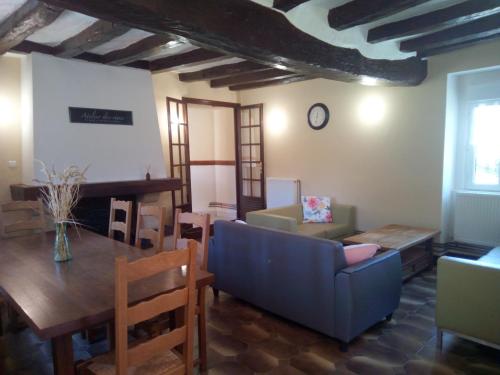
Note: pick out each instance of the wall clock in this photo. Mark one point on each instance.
(318, 116)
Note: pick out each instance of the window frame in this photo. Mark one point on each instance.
(470, 152)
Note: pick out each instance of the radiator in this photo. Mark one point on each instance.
(282, 192)
(477, 218)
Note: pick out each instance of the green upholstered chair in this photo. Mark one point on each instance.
(290, 219)
(468, 298)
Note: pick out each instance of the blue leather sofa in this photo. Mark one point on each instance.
(304, 279)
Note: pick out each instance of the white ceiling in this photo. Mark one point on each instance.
(312, 18)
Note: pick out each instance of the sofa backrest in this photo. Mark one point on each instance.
(294, 211)
(282, 272)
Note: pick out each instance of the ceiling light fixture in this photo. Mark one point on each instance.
(281, 67)
(368, 81)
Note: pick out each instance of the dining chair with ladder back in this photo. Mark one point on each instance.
(123, 227)
(27, 217)
(158, 355)
(202, 221)
(155, 236)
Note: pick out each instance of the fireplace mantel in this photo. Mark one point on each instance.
(104, 189)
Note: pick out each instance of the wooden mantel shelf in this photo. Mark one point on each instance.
(104, 189)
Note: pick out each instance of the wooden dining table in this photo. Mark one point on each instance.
(59, 299)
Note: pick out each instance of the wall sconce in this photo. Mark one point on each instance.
(371, 110)
(7, 111)
(276, 121)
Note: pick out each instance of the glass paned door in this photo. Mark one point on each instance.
(178, 133)
(250, 158)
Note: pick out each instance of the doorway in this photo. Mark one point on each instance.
(216, 149)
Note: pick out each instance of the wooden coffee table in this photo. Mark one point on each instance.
(414, 244)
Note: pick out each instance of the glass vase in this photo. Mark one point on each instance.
(62, 248)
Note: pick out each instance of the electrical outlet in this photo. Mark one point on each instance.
(12, 163)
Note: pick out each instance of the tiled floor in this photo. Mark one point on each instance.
(245, 340)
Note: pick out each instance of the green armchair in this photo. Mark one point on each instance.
(290, 219)
(468, 298)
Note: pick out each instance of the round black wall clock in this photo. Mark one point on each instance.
(318, 116)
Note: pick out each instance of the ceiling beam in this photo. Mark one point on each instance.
(286, 5)
(30, 17)
(271, 82)
(141, 49)
(452, 47)
(250, 77)
(222, 71)
(359, 12)
(451, 16)
(195, 57)
(252, 32)
(482, 28)
(28, 47)
(96, 34)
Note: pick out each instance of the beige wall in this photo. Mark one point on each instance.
(10, 123)
(392, 171)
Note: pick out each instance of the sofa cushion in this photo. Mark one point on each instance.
(317, 209)
(492, 257)
(324, 230)
(338, 230)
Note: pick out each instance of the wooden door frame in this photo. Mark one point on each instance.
(236, 107)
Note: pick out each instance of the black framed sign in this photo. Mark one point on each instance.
(100, 116)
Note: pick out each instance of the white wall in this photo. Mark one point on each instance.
(393, 171)
(113, 152)
(10, 124)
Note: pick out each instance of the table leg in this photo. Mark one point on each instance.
(202, 330)
(429, 250)
(62, 355)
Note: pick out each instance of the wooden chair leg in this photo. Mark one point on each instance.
(216, 292)
(202, 330)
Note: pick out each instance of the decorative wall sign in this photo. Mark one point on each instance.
(100, 116)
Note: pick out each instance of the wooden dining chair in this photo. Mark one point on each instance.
(158, 355)
(155, 236)
(28, 216)
(32, 209)
(120, 226)
(202, 221)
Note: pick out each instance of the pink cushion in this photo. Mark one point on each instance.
(357, 253)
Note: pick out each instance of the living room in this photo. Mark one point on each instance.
(377, 169)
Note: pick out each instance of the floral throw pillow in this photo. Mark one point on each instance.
(317, 209)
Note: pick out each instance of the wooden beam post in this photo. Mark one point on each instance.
(442, 18)
(30, 17)
(139, 50)
(359, 12)
(253, 32)
(250, 77)
(96, 34)
(286, 5)
(194, 57)
(270, 82)
(222, 71)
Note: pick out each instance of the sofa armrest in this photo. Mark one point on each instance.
(365, 293)
(343, 214)
(468, 298)
(266, 220)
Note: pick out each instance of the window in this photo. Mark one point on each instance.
(483, 159)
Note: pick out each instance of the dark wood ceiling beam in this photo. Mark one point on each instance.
(222, 71)
(452, 47)
(141, 49)
(195, 57)
(251, 77)
(286, 5)
(96, 34)
(451, 16)
(271, 82)
(30, 17)
(28, 47)
(253, 32)
(486, 27)
(359, 12)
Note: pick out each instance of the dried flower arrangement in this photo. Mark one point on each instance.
(61, 194)
(61, 191)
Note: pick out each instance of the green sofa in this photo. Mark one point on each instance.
(468, 298)
(290, 219)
